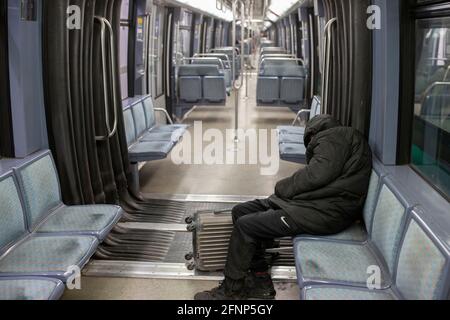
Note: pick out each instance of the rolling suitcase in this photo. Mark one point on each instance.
(211, 232)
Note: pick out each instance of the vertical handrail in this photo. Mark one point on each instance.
(168, 55)
(237, 87)
(311, 52)
(105, 24)
(113, 73)
(327, 63)
(105, 89)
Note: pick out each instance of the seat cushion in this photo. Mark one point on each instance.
(169, 128)
(343, 293)
(31, 289)
(293, 152)
(336, 263)
(356, 233)
(291, 138)
(96, 220)
(163, 136)
(176, 132)
(291, 130)
(48, 256)
(149, 151)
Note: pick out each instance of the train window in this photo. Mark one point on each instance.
(183, 45)
(158, 49)
(124, 34)
(430, 151)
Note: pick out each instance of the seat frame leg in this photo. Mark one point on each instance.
(134, 185)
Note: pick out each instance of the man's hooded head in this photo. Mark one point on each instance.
(319, 124)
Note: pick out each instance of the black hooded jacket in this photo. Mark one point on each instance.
(328, 195)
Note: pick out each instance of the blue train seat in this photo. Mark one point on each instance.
(421, 271)
(323, 261)
(30, 289)
(201, 83)
(24, 253)
(45, 211)
(290, 138)
(280, 81)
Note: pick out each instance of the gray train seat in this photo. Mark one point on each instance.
(323, 261)
(421, 271)
(226, 71)
(281, 83)
(360, 231)
(199, 83)
(30, 254)
(290, 138)
(286, 132)
(46, 213)
(32, 289)
(146, 140)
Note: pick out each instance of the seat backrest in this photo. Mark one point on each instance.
(371, 200)
(388, 222)
(283, 71)
(12, 219)
(436, 106)
(423, 264)
(130, 131)
(39, 186)
(208, 61)
(197, 70)
(149, 112)
(140, 122)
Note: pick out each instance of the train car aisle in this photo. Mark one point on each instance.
(166, 177)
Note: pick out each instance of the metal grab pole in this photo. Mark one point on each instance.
(327, 62)
(236, 86)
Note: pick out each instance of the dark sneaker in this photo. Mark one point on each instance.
(228, 290)
(260, 286)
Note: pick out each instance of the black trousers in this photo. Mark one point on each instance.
(256, 225)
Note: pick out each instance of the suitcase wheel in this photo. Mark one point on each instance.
(189, 220)
(190, 265)
(192, 227)
(189, 256)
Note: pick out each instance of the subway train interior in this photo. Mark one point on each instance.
(130, 129)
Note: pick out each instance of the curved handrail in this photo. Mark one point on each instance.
(114, 72)
(431, 87)
(105, 24)
(215, 55)
(326, 72)
(215, 59)
(104, 75)
(283, 59)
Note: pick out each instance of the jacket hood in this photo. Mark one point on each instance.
(319, 124)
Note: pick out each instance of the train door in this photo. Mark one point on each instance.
(198, 34)
(156, 56)
(169, 88)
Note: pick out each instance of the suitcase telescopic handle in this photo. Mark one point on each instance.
(222, 211)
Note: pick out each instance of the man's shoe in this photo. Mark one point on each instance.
(260, 286)
(228, 290)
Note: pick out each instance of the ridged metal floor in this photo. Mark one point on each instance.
(153, 245)
(128, 244)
